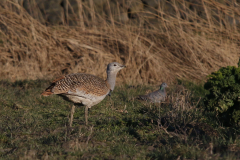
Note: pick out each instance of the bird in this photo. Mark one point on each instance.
(155, 97)
(84, 89)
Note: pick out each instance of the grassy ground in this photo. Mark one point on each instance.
(120, 127)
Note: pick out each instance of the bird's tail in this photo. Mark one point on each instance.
(47, 92)
(142, 97)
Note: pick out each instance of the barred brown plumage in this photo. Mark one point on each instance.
(86, 82)
(84, 89)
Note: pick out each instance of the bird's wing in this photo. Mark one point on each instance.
(157, 96)
(78, 83)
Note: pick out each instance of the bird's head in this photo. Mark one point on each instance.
(115, 67)
(163, 85)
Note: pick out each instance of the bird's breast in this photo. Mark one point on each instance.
(85, 98)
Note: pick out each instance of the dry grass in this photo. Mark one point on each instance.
(153, 52)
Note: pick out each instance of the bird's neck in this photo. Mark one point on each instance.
(162, 89)
(111, 79)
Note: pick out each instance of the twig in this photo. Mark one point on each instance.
(91, 130)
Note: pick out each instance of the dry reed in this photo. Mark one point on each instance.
(188, 48)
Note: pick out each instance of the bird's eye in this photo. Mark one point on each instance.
(114, 64)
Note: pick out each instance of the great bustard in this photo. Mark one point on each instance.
(84, 89)
(155, 97)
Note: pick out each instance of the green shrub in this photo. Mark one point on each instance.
(224, 94)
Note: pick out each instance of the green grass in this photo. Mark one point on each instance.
(120, 127)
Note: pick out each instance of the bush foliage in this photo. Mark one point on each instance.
(224, 94)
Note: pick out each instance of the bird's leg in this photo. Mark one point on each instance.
(71, 116)
(86, 115)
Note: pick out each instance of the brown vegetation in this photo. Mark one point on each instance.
(162, 49)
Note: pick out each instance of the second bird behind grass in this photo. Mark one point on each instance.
(156, 96)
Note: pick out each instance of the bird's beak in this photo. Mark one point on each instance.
(123, 66)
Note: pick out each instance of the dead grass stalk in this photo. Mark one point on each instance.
(154, 51)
